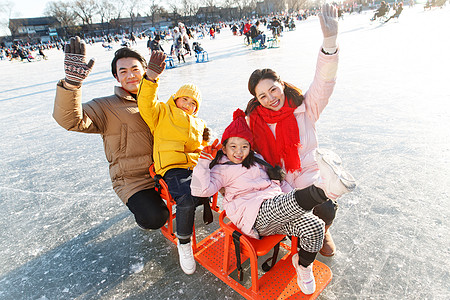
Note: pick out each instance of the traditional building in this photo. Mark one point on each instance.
(34, 30)
(267, 7)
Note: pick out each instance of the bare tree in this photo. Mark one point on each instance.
(62, 11)
(107, 12)
(189, 8)
(210, 12)
(185, 4)
(279, 6)
(305, 4)
(118, 12)
(194, 8)
(7, 12)
(228, 5)
(154, 8)
(209, 2)
(133, 7)
(243, 6)
(173, 8)
(85, 10)
(119, 8)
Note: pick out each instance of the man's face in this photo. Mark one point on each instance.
(129, 73)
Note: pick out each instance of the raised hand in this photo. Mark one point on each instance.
(206, 134)
(75, 65)
(210, 152)
(329, 24)
(328, 20)
(156, 65)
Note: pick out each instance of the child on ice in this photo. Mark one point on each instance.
(178, 140)
(257, 204)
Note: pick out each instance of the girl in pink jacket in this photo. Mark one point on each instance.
(256, 203)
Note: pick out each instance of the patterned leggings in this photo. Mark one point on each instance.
(283, 215)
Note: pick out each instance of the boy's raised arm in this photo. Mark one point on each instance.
(147, 94)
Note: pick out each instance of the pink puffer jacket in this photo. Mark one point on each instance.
(307, 114)
(245, 190)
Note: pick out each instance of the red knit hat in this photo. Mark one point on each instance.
(238, 128)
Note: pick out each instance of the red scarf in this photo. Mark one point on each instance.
(285, 145)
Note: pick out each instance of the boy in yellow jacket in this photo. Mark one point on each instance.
(179, 136)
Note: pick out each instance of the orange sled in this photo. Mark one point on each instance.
(217, 253)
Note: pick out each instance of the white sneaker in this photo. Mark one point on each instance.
(333, 180)
(187, 261)
(305, 276)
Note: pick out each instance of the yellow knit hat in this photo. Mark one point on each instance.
(189, 90)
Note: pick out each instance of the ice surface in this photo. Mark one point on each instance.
(65, 235)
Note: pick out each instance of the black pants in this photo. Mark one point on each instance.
(150, 211)
(308, 198)
(314, 198)
(326, 211)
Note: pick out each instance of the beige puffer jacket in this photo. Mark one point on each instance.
(126, 137)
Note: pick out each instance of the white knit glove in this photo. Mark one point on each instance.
(329, 24)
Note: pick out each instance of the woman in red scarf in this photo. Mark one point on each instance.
(282, 120)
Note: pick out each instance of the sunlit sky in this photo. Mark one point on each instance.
(29, 8)
(22, 9)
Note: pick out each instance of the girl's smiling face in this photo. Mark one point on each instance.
(236, 149)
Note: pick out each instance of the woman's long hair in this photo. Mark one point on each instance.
(293, 94)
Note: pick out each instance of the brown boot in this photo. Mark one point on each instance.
(328, 248)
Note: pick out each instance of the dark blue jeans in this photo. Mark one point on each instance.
(179, 184)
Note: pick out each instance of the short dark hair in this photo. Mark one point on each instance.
(126, 52)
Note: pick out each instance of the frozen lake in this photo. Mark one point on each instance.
(65, 234)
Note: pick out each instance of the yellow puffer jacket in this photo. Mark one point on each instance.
(177, 136)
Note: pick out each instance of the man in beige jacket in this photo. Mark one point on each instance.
(126, 138)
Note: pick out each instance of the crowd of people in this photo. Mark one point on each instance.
(25, 52)
(181, 37)
(273, 176)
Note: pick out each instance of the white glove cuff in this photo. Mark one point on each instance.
(329, 44)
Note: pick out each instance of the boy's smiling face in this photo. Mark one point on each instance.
(187, 104)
